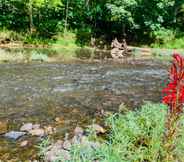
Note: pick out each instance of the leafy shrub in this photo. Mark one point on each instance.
(83, 36)
(11, 35)
(163, 35)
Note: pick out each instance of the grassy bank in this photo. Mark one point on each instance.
(134, 136)
(26, 47)
(70, 39)
(177, 43)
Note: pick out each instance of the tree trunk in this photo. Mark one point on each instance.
(30, 12)
(66, 16)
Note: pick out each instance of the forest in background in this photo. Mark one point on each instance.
(139, 21)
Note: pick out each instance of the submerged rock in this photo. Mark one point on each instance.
(37, 132)
(3, 127)
(14, 135)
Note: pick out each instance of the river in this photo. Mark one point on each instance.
(40, 92)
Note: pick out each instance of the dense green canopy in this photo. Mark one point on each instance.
(137, 19)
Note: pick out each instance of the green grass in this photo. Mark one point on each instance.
(177, 43)
(135, 136)
(23, 37)
(65, 45)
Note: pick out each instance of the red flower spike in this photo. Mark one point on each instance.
(174, 92)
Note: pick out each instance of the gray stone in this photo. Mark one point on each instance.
(24, 143)
(14, 135)
(36, 126)
(59, 154)
(27, 127)
(37, 132)
(56, 152)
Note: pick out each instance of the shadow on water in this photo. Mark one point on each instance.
(39, 93)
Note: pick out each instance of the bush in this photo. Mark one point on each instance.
(163, 35)
(83, 36)
(11, 35)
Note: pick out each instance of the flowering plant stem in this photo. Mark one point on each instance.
(174, 98)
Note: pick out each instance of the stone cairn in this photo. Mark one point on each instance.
(119, 50)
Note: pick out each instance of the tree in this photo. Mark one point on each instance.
(122, 14)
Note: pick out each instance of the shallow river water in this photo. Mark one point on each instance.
(75, 92)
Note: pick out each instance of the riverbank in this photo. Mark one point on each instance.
(16, 47)
(131, 136)
(20, 53)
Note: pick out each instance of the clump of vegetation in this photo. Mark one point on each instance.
(136, 136)
(168, 39)
(174, 99)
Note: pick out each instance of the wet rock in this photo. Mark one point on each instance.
(56, 152)
(97, 128)
(49, 130)
(24, 143)
(57, 155)
(27, 127)
(3, 127)
(37, 132)
(14, 135)
(59, 120)
(78, 131)
(36, 126)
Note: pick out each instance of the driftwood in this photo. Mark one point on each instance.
(119, 50)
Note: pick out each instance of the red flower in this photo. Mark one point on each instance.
(175, 89)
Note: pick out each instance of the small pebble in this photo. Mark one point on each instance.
(24, 143)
